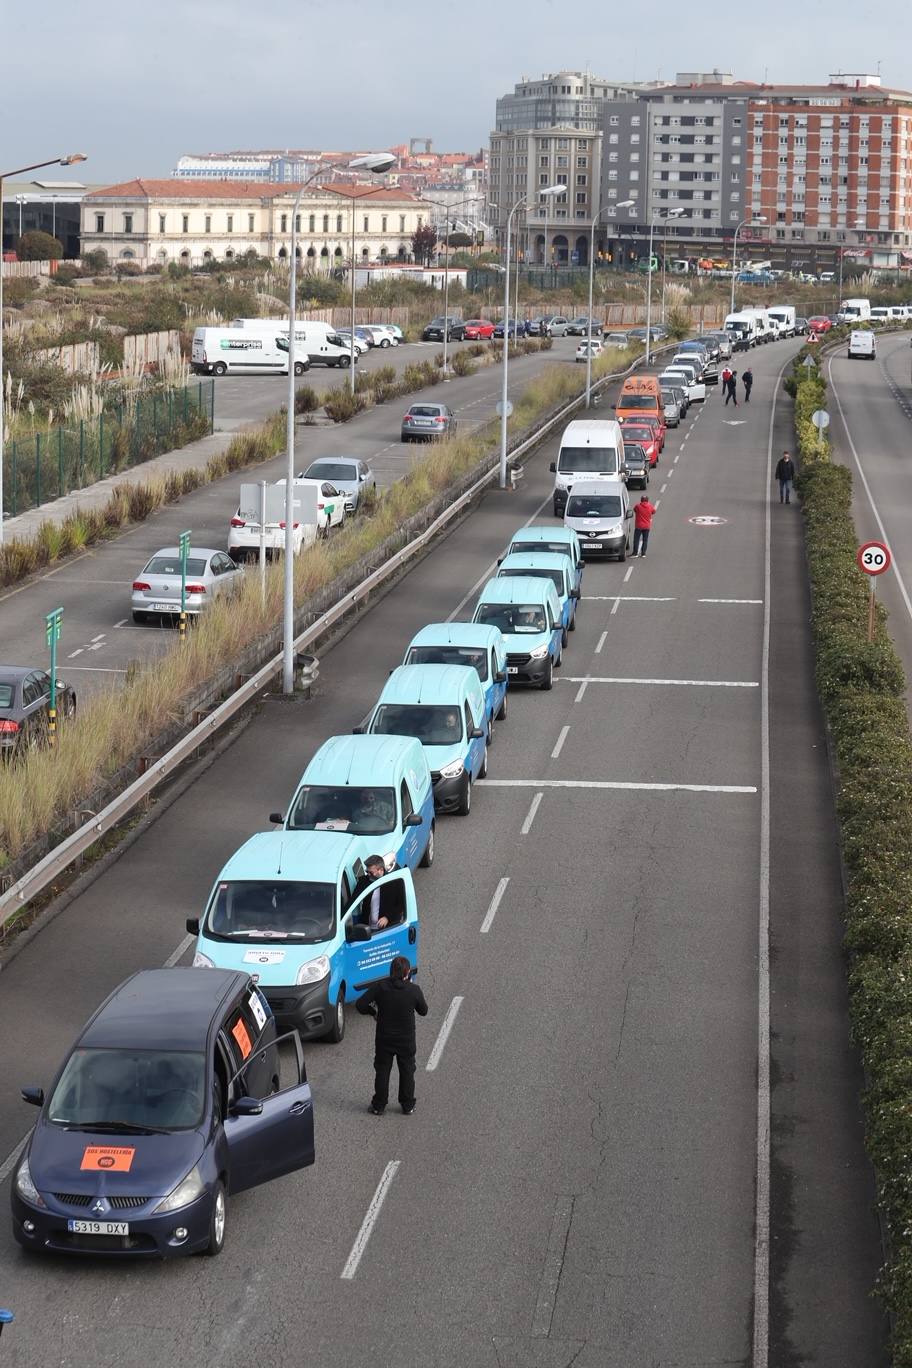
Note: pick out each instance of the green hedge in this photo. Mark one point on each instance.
(861, 685)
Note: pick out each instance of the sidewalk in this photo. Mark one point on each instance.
(96, 495)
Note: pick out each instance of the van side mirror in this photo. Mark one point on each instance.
(501, 559)
(355, 934)
(500, 676)
(246, 1106)
(575, 594)
(553, 468)
(476, 734)
(193, 925)
(33, 1095)
(360, 730)
(276, 817)
(414, 819)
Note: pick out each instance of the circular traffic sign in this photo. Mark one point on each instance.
(873, 558)
(502, 408)
(707, 520)
(821, 419)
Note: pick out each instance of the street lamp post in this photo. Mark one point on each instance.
(667, 214)
(624, 204)
(550, 191)
(672, 213)
(375, 162)
(859, 225)
(434, 204)
(70, 160)
(755, 218)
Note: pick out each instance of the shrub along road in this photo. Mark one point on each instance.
(94, 588)
(578, 1184)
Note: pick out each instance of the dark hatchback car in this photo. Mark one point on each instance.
(637, 464)
(25, 696)
(518, 327)
(435, 329)
(170, 1100)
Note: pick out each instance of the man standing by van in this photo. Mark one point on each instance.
(643, 514)
(394, 1002)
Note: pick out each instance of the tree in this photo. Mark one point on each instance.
(424, 240)
(461, 240)
(38, 246)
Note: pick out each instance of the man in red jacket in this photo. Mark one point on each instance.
(643, 514)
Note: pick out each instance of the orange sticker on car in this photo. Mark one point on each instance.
(239, 1031)
(107, 1158)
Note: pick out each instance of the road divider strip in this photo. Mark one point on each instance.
(615, 784)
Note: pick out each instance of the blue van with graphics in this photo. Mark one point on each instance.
(562, 540)
(467, 643)
(547, 565)
(443, 706)
(375, 788)
(528, 613)
(292, 909)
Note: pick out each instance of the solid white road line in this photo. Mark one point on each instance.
(483, 579)
(370, 1220)
(601, 640)
(554, 1263)
(628, 574)
(495, 903)
(179, 952)
(619, 784)
(94, 669)
(629, 598)
(729, 600)
(530, 815)
(559, 744)
(582, 692)
(444, 1035)
(692, 683)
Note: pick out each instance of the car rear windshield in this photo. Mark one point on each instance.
(597, 460)
(432, 725)
(359, 811)
(638, 401)
(6, 695)
(594, 506)
(555, 576)
(168, 565)
(330, 470)
(476, 657)
(123, 1090)
(424, 411)
(512, 617)
(265, 910)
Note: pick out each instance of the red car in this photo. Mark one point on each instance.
(655, 425)
(644, 434)
(474, 330)
(820, 324)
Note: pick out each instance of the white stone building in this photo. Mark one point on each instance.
(159, 221)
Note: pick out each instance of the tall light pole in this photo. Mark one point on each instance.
(549, 192)
(385, 160)
(665, 214)
(378, 163)
(624, 204)
(434, 204)
(70, 160)
(671, 213)
(755, 218)
(858, 226)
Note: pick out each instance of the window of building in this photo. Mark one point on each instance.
(383, 222)
(561, 161)
(612, 156)
(161, 223)
(99, 223)
(207, 220)
(581, 197)
(582, 161)
(365, 224)
(581, 180)
(339, 223)
(613, 120)
(283, 223)
(185, 223)
(231, 223)
(311, 223)
(128, 223)
(612, 139)
(326, 223)
(297, 223)
(402, 223)
(634, 138)
(635, 121)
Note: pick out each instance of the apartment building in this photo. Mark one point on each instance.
(159, 221)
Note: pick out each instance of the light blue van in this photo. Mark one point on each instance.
(562, 540)
(528, 613)
(467, 643)
(443, 706)
(375, 788)
(558, 568)
(293, 910)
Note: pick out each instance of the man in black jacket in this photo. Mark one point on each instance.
(394, 1002)
(785, 473)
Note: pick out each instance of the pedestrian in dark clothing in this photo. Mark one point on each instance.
(731, 389)
(375, 868)
(643, 514)
(394, 1002)
(785, 473)
(747, 379)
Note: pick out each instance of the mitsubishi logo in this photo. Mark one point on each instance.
(99, 1207)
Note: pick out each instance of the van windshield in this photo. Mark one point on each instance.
(638, 401)
(555, 576)
(593, 506)
(263, 910)
(120, 1090)
(359, 811)
(512, 617)
(560, 548)
(592, 460)
(473, 656)
(433, 726)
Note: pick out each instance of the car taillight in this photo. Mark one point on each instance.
(141, 584)
(238, 522)
(440, 420)
(8, 727)
(294, 525)
(407, 418)
(196, 588)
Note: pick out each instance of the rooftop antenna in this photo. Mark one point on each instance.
(878, 66)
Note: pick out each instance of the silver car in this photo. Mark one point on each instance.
(671, 408)
(351, 477)
(424, 422)
(157, 591)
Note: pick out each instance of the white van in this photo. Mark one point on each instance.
(764, 329)
(590, 449)
(880, 315)
(862, 345)
(784, 316)
(854, 311)
(236, 351)
(320, 341)
(742, 326)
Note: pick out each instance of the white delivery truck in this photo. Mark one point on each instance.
(765, 330)
(862, 345)
(320, 341)
(238, 351)
(784, 316)
(742, 327)
(854, 311)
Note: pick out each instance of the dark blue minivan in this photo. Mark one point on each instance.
(176, 1095)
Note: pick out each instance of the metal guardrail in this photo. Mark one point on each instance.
(37, 879)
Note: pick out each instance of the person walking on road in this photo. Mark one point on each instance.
(785, 474)
(731, 388)
(725, 377)
(747, 380)
(394, 1001)
(643, 514)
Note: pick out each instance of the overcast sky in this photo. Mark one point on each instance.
(135, 86)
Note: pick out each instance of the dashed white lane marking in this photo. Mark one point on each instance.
(620, 784)
(495, 903)
(664, 486)
(693, 683)
(657, 502)
(530, 815)
(670, 473)
(582, 692)
(123, 622)
(370, 1220)
(729, 600)
(628, 574)
(554, 1263)
(482, 579)
(559, 744)
(444, 1035)
(74, 654)
(617, 604)
(601, 640)
(179, 952)
(100, 637)
(677, 458)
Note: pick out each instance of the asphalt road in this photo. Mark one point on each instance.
(579, 1183)
(99, 637)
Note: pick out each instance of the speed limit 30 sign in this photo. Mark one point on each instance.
(873, 558)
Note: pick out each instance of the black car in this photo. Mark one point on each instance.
(435, 329)
(637, 464)
(25, 696)
(801, 327)
(170, 1099)
(517, 327)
